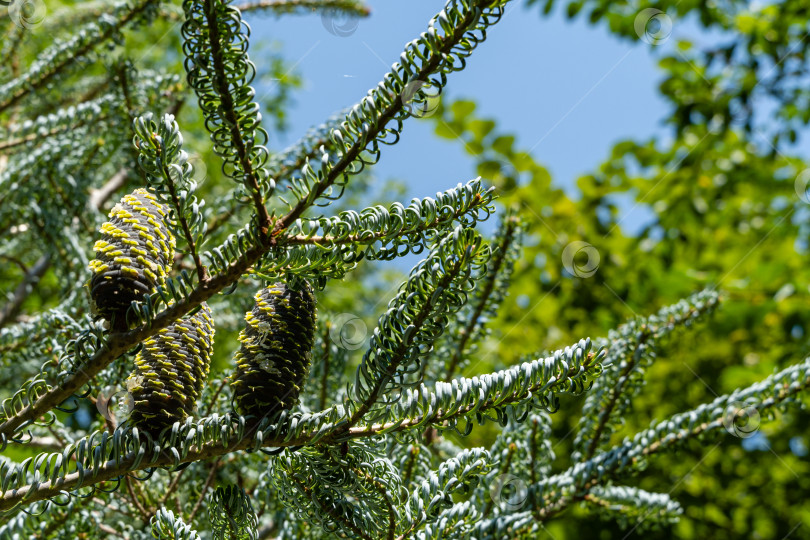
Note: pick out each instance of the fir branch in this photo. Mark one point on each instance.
(559, 491)
(169, 173)
(630, 354)
(62, 54)
(36, 398)
(74, 15)
(166, 526)
(20, 141)
(434, 494)
(220, 72)
(126, 451)
(407, 473)
(315, 142)
(496, 277)
(416, 317)
(503, 468)
(107, 456)
(398, 226)
(365, 127)
(633, 506)
(535, 383)
(381, 490)
(348, 486)
(331, 512)
(231, 515)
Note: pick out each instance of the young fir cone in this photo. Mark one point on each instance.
(133, 256)
(273, 361)
(170, 371)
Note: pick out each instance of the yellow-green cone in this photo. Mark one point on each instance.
(133, 256)
(274, 360)
(170, 371)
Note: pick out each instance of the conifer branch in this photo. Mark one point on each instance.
(559, 491)
(210, 435)
(63, 54)
(491, 280)
(631, 352)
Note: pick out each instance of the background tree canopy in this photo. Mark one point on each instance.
(726, 189)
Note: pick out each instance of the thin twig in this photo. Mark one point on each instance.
(205, 487)
(202, 271)
(145, 514)
(109, 530)
(398, 355)
(12, 308)
(623, 380)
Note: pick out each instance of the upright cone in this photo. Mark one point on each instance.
(274, 360)
(133, 256)
(170, 371)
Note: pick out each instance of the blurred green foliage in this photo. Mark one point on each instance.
(728, 212)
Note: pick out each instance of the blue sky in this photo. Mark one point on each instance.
(566, 89)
